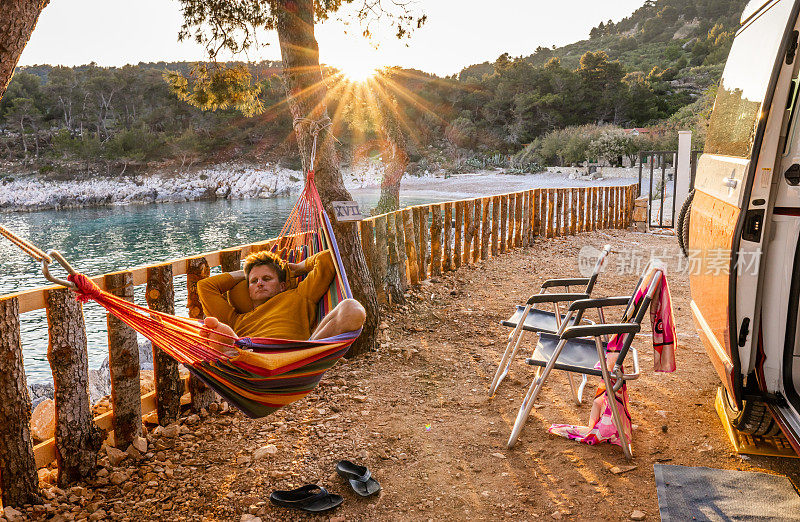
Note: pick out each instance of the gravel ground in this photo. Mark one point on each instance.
(418, 414)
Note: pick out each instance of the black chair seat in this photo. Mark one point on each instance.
(537, 320)
(578, 355)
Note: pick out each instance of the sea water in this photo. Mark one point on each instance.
(107, 239)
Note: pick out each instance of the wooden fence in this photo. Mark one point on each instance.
(402, 248)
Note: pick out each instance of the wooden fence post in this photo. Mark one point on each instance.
(495, 225)
(512, 216)
(197, 268)
(538, 205)
(518, 219)
(448, 232)
(18, 478)
(573, 208)
(486, 230)
(411, 250)
(367, 232)
(380, 225)
(160, 296)
(421, 221)
(526, 221)
(551, 195)
(581, 209)
(476, 231)
(459, 228)
(564, 211)
(468, 230)
(436, 240)
(593, 209)
(230, 260)
(123, 366)
(606, 207)
(504, 223)
(77, 438)
(395, 261)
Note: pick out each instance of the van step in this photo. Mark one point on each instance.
(752, 444)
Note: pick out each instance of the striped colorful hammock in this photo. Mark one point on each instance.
(267, 373)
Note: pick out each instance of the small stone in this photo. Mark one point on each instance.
(664, 428)
(78, 491)
(263, 452)
(11, 513)
(140, 443)
(618, 470)
(115, 456)
(98, 515)
(247, 517)
(171, 431)
(337, 519)
(133, 453)
(638, 515)
(192, 419)
(557, 515)
(498, 455)
(117, 478)
(45, 476)
(360, 398)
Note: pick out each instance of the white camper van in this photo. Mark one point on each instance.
(745, 225)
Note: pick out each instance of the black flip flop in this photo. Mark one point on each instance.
(360, 478)
(311, 498)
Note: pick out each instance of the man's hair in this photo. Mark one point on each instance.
(265, 258)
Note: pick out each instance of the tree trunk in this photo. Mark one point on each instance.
(19, 483)
(77, 437)
(160, 296)
(307, 102)
(17, 21)
(123, 364)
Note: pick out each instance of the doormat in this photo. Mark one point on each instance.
(689, 493)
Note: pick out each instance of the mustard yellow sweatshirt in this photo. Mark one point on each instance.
(288, 315)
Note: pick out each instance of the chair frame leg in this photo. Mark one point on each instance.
(577, 391)
(514, 341)
(612, 401)
(530, 397)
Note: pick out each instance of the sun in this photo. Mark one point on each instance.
(359, 71)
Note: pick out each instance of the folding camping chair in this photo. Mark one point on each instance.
(579, 349)
(539, 321)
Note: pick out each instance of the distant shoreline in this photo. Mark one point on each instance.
(31, 193)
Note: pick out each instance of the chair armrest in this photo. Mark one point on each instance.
(583, 304)
(554, 298)
(600, 329)
(566, 282)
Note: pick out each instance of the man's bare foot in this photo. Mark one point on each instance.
(214, 324)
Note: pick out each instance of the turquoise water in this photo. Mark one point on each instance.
(106, 239)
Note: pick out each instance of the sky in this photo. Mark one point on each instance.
(458, 33)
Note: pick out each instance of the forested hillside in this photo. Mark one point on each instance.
(658, 67)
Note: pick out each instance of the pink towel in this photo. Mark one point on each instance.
(601, 426)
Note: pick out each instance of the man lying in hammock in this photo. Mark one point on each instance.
(270, 307)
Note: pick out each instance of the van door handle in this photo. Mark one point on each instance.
(730, 182)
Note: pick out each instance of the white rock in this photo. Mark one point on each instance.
(263, 452)
(638, 515)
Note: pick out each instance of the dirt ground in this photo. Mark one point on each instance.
(418, 414)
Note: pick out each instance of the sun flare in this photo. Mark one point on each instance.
(359, 71)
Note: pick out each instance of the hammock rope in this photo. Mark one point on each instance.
(266, 373)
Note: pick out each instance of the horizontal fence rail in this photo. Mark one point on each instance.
(401, 248)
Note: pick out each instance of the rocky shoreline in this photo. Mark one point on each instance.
(227, 181)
